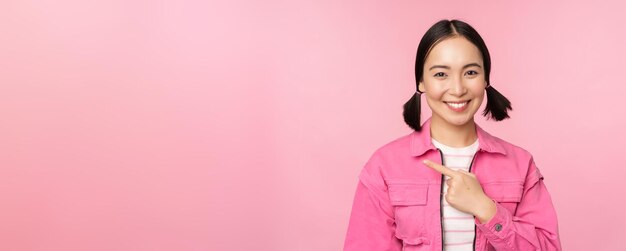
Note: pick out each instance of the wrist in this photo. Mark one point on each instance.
(486, 210)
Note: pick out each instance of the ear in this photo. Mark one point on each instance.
(420, 87)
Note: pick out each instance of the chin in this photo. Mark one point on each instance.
(459, 121)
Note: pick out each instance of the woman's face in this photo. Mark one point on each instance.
(454, 81)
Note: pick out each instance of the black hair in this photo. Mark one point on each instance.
(497, 105)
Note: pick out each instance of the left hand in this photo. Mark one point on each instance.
(464, 192)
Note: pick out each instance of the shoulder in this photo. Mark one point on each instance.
(514, 149)
(391, 153)
(376, 167)
(516, 161)
(524, 161)
(510, 150)
(399, 146)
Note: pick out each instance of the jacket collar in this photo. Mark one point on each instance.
(421, 141)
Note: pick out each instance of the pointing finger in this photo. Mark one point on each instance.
(466, 172)
(439, 168)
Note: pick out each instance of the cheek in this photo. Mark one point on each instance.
(434, 98)
(434, 92)
(477, 89)
(479, 92)
(478, 100)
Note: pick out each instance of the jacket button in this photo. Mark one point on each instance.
(498, 227)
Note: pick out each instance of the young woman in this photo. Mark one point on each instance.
(450, 185)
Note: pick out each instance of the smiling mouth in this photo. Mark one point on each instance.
(457, 105)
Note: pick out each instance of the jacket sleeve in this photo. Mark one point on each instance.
(371, 226)
(534, 224)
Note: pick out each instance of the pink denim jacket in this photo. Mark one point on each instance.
(397, 205)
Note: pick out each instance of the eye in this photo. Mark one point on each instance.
(472, 72)
(439, 74)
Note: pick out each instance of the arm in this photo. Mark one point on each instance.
(372, 224)
(534, 225)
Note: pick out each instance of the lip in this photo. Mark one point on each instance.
(460, 109)
(460, 101)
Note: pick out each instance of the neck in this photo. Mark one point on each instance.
(453, 135)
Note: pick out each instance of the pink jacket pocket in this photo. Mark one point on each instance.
(405, 192)
(409, 198)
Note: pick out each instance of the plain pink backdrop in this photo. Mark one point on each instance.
(242, 125)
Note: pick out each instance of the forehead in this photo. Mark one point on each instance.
(454, 51)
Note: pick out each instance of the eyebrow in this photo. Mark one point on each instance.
(448, 67)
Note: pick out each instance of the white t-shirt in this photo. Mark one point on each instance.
(458, 227)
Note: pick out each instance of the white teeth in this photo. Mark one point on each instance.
(457, 105)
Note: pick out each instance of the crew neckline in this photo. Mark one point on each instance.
(473, 147)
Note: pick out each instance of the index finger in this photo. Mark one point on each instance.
(440, 168)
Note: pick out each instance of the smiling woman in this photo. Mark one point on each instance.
(450, 185)
(455, 56)
(454, 83)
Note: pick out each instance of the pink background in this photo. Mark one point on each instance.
(242, 125)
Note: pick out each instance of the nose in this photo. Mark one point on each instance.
(457, 87)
